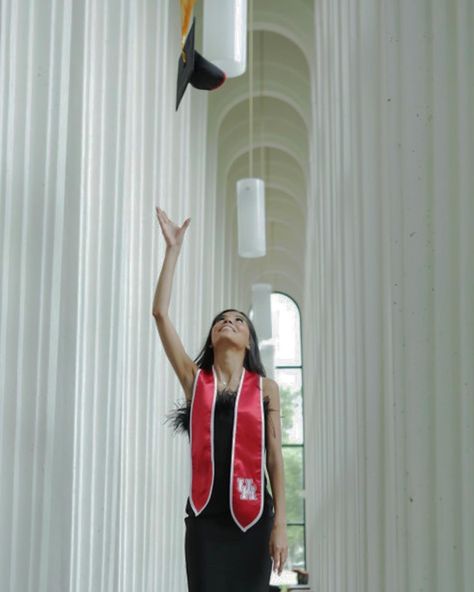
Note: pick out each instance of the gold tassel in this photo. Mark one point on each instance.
(186, 10)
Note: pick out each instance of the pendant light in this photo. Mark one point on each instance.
(267, 355)
(250, 190)
(262, 310)
(225, 35)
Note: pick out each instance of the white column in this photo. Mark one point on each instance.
(389, 292)
(94, 484)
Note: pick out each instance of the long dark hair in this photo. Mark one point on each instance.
(252, 360)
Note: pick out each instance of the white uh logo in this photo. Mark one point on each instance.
(246, 488)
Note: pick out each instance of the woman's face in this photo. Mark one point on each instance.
(231, 326)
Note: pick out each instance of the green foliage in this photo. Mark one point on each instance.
(287, 406)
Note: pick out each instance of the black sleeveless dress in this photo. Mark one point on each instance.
(220, 557)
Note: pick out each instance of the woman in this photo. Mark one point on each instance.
(234, 527)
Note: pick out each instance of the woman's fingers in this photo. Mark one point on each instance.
(274, 555)
(162, 213)
(159, 215)
(279, 558)
(163, 218)
(172, 233)
(281, 564)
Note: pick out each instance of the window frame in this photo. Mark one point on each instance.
(302, 445)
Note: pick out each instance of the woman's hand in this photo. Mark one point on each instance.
(173, 234)
(279, 547)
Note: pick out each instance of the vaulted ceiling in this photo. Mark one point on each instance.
(282, 123)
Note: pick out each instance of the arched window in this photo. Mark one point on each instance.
(288, 369)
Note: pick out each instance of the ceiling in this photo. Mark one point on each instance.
(282, 123)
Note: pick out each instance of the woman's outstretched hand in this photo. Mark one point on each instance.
(173, 234)
(279, 547)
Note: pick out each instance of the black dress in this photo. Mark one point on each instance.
(220, 557)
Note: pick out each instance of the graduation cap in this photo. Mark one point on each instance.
(196, 70)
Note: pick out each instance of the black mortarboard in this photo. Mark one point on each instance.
(196, 70)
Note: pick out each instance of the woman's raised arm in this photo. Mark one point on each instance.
(183, 365)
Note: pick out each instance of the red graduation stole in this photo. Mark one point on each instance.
(248, 452)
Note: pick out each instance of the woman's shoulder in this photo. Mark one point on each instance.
(269, 387)
(269, 382)
(180, 415)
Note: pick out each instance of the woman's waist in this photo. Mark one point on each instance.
(219, 503)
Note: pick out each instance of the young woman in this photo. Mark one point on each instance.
(234, 527)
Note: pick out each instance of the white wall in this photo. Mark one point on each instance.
(389, 299)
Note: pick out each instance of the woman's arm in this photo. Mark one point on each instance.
(161, 300)
(278, 538)
(274, 453)
(182, 364)
(173, 236)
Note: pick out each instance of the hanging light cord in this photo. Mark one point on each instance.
(250, 33)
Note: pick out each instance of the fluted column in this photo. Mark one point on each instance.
(93, 485)
(389, 292)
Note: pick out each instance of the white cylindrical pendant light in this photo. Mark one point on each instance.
(225, 35)
(251, 217)
(267, 355)
(262, 310)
